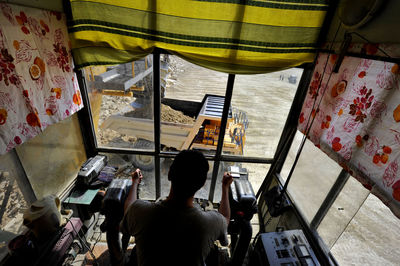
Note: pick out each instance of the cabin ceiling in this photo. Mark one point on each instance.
(382, 28)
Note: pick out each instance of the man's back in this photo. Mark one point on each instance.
(166, 235)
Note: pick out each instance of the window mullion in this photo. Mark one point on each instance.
(224, 119)
(157, 120)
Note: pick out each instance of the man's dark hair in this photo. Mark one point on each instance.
(188, 173)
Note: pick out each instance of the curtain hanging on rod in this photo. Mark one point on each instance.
(357, 123)
(38, 87)
(234, 36)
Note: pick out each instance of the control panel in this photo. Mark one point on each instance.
(286, 248)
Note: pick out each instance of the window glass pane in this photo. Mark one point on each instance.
(372, 237)
(187, 121)
(291, 155)
(121, 101)
(260, 105)
(342, 211)
(166, 184)
(312, 178)
(255, 174)
(52, 159)
(12, 204)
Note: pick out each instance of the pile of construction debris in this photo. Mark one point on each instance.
(170, 115)
(113, 105)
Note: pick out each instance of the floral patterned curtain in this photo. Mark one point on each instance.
(37, 84)
(357, 122)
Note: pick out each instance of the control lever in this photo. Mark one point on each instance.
(243, 204)
(113, 209)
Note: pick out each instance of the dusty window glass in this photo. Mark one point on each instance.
(44, 157)
(260, 105)
(147, 189)
(255, 174)
(12, 204)
(166, 184)
(121, 101)
(124, 165)
(342, 211)
(371, 238)
(312, 178)
(191, 110)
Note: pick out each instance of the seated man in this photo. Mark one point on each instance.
(174, 231)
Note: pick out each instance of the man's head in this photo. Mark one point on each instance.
(188, 173)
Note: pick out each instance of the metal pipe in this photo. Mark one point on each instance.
(171, 154)
(125, 151)
(241, 159)
(157, 119)
(224, 119)
(364, 56)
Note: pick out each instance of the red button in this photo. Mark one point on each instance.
(240, 213)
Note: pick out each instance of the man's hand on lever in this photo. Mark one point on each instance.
(136, 176)
(224, 208)
(132, 196)
(227, 180)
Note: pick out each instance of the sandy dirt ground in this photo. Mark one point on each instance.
(266, 99)
(12, 204)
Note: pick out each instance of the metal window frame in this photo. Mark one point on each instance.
(282, 150)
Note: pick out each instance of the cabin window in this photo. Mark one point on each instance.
(186, 87)
(203, 193)
(342, 211)
(358, 220)
(123, 164)
(115, 96)
(123, 117)
(313, 177)
(12, 202)
(53, 157)
(262, 103)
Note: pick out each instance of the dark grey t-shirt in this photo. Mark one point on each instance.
(169, 236)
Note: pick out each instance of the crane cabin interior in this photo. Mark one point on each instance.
(298, 99)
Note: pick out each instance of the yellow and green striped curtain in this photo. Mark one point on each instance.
(234, 36)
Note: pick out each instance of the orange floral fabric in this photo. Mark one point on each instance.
(357, 123)
(37, 85)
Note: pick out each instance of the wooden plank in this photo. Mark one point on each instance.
(193, 132)
(172, 134)
(142, 122)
